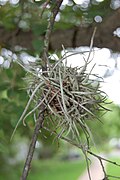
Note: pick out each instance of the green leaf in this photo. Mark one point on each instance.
(4, 86)
(23, 96)
(11, 107)
(9, 73)
(39, 29)
(2, 148)
(38, 45)
(11, 93)
(3, 102)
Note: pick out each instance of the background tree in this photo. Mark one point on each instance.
(23, 26)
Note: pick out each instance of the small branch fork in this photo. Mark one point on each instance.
(85, 152)
(106, 176)
(40, 120)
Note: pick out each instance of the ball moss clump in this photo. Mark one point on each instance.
(71, 98)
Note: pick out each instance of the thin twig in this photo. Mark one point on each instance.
(99, 157)
(103, 168)
(87, 164)
(114, 177)
(48, 33)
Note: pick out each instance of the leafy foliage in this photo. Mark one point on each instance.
(12, 97)
(31, 16)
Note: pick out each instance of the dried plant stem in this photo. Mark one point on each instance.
(40, 120)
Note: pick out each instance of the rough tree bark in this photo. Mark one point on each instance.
(74, 37)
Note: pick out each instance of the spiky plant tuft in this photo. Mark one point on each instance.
(71, 98)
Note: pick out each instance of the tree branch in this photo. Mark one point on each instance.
(40, 120)
(73, 37)
(38, 126)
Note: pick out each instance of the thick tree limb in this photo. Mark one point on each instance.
(74, 37)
